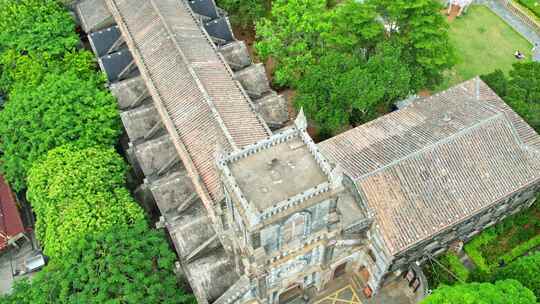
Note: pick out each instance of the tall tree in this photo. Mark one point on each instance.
(423, 31)
(36, 25)
(355, 28)
(524, 82)
(61, 109)
(121, 265)
(343, 89)
(501, 292)
(291, 36)
(79, 192)
(521, 90)
(245, 13)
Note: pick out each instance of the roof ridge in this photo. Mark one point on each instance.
(228, 69)
(194, 75)
(434, 145)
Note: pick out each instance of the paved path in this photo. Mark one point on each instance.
(517, 24)
(11, 260)
(346, 295)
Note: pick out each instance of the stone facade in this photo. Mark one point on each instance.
(304, 242)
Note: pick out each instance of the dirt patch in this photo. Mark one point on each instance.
(424, 93)
(454, 11)
(246, 34)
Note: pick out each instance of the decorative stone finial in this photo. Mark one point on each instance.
(301, 121)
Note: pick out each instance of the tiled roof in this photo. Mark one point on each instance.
(10, 219)
(191, 85)
(438, 161)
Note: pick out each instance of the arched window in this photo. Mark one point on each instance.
(295, 228)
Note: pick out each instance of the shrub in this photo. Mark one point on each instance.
(521, 249)
(455, 265)
(486, 293)
(526, 270)
(79, 192)
(438, 275)
(36, 25)
(62, 109)
(473, 249)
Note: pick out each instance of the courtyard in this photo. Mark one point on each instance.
(348, 290)
(484, 42)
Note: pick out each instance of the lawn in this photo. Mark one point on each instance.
(484, 43)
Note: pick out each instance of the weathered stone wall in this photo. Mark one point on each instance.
(467, 229)
(295, 269)
(316, 218)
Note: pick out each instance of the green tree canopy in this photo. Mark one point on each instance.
(354, 29)
(291, 36)
(298, 33)
(121, 265)
(36, 25)
(62, 108)
(423, 32)
(79, 192)
(245, 12)
(343, 89)
(30, 69)
(521, 90)
(501, 292)
(526, 270)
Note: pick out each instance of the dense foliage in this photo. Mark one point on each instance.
(437, 272)
(122, 265)
(501, 292)
(76, 192)
(245, 13)
(345, 89)
(291, 36)
(342, 60)
(62, 108)
(526, 270)
(36, 25)
(100, 248)
(521, 90)
(30, 69)
(503, 243)
(424, 34)
(354, 28)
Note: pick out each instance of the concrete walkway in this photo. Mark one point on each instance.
(521, 27)
(11, 261)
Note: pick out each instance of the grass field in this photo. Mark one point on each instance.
(484, 43)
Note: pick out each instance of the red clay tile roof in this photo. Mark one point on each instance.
(191, 85)
(438, 161)
(10, 220)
